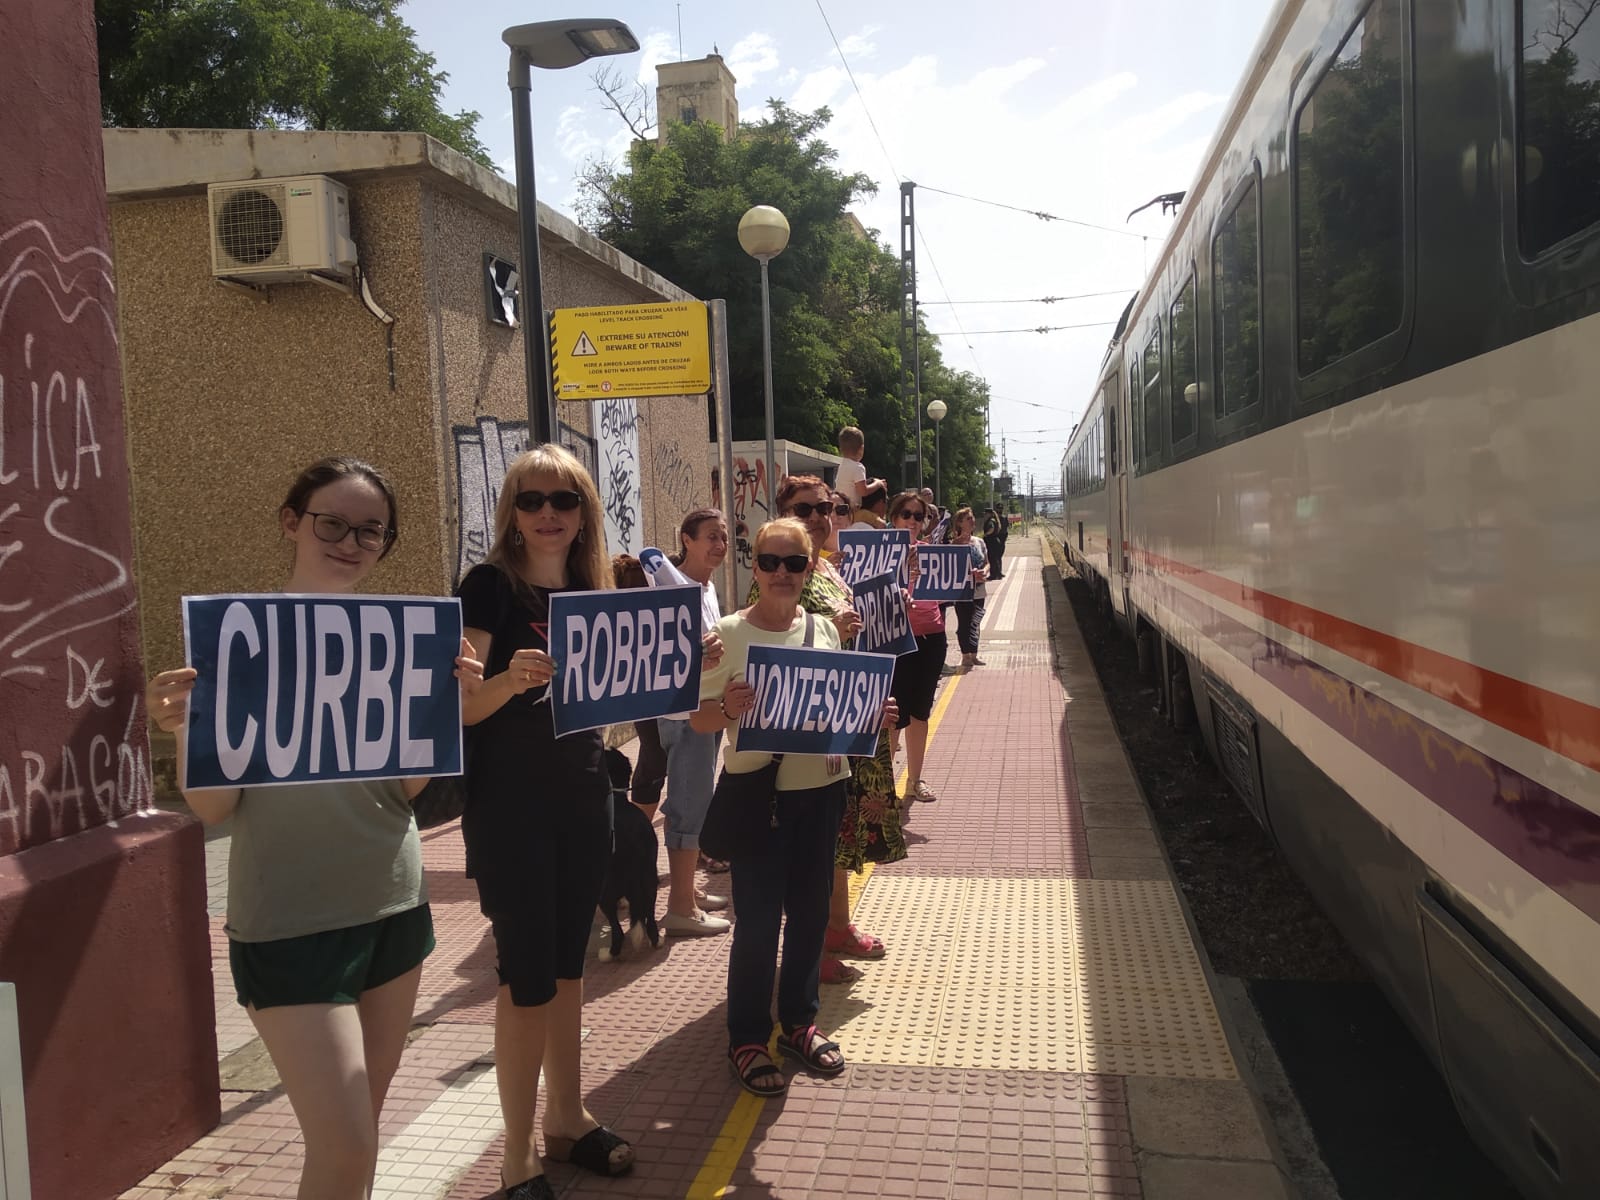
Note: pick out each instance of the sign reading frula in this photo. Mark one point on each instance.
(295, 689)
(630, 350)
(946, 573)
(624, 655)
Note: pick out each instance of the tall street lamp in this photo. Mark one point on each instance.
(936, 412)
(551, 45)
(764, 232)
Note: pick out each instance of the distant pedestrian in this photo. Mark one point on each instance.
(328, 920)
(994, 541)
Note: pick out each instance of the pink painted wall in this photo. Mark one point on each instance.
(102, 923)
(73, 751)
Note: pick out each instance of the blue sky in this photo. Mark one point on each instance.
(1083, 110)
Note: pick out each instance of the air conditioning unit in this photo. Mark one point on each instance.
(281, 230)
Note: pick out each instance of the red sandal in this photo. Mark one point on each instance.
(834, 971)
(852, 942)
(749, 1063)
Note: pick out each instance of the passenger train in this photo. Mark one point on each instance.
(1340, 478)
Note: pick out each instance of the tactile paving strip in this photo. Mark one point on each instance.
(1080, 975)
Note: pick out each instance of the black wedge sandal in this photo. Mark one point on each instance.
(595, 1151)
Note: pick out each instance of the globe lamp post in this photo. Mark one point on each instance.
(763, 233)
(936, 411)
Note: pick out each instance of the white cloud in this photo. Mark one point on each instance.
(657, 48)
(752, 56)
(575, 134)
(860, 45)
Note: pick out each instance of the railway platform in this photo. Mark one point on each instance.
(1043, 1024)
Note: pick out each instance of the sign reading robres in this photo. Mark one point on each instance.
(630, 350)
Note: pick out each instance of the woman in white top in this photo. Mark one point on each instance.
(969, 613)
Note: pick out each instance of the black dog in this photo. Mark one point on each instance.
(632, 873)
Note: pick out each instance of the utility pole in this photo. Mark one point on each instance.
(910, 355)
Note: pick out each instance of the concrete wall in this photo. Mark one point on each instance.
(102, 905)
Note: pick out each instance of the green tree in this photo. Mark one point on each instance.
(675, 207)
(266, 64)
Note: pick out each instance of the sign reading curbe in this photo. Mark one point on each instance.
(299, 688)
(630, 350)
(815, 701)
(885, 622)
(864, 553)
(946, 573)
(624, 655)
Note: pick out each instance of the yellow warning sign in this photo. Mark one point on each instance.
(630, 350)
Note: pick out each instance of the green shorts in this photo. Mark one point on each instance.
(333, 967)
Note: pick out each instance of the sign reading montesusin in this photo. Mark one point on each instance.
(630, 350)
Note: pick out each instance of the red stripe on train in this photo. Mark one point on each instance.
(1569, 727)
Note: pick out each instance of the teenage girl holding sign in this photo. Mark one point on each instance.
(328, 920)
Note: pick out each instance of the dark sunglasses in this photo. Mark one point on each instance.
(804, 510)
(915, 516)
(532, 502)
(795, 564)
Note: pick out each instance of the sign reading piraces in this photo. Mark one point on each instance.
(293, 688)
(624, 655)
(885, 621)
(815, 701)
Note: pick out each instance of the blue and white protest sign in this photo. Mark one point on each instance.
(293, 688)
(815, 701)
(661, 572)
(624, 655)
(864, 553)
(885, 620)
(946, 573)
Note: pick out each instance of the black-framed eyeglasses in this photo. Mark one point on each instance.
(562, 501)
(915, 516)
(330, 527)
(803, 510)
(795, 564)
(843, 510)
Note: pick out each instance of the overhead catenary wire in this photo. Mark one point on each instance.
(1033, 212)
(852, 77)
(1036, 299)
(1036, 329)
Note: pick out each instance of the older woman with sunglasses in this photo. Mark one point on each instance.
(916, 675)
(793, 876)
(870, 826)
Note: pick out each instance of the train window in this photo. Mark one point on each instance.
(1136, 412)
(1236, 270)
(1185, 374)
(1350, 194)
(1558, 122)
(1152, 395)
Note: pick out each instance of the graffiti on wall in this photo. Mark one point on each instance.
(482, 452)
(674, 477)
(73, 753)
(621, 485)
(751, 508)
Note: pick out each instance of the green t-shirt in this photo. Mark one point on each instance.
(310, 857)
(797, 772)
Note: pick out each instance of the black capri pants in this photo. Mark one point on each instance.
(916, 678)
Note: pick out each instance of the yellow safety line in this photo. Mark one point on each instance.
(711, 1181)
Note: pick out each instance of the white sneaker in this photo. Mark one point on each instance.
(700, 924)
(710, 902)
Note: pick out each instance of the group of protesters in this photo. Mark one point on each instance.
(328, 918)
